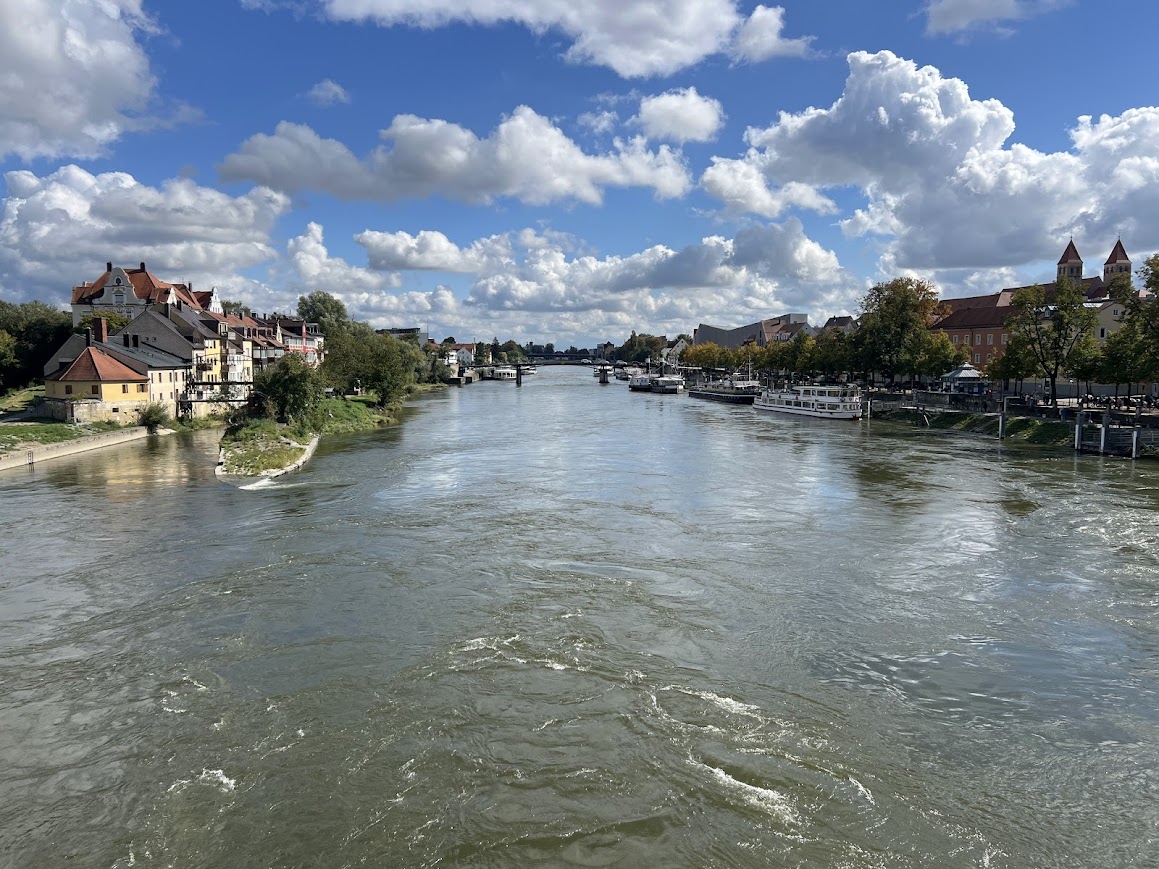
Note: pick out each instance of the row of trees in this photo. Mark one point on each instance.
(29, 334)
(892, 338)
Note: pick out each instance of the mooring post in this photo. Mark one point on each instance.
(518, 375)
(1135, 442)
(1002, 421)
(1103, 432)
(1078, 431)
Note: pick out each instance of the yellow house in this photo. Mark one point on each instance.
(95, 386)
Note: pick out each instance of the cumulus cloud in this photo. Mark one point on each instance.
(955, 16)
(74, 76)
(600, 122)
(312, 267)
(941, 183)
(526, 158)
(634, 39)
(759, 38)
(60, 229)
(327, 93)
(680, 115)
(530, 277)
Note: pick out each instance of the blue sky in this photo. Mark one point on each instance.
(571, 170)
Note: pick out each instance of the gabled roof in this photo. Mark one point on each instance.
(145, 285)
(1071, 254)
(93, 364)
(1118, 254)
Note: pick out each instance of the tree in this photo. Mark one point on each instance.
(1051, 327)
(800, 353)
(1141, 312)
(1086, 363)
(1016, 363)
(894, 316)
(37, 331)
(237, 309)
(292, 385)
(1127, 357)
(114, 321)
(7, 356)
(322, 308)
(833, 354)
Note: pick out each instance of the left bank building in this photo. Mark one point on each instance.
(179, 349)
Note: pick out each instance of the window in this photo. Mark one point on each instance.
(1004, 336)
(990, 338)
(1102, 331)
(140, 387)
(68, 389)
(977, 358)
(978, 340)
(124, 387)
(966, 340)
(955, 340)
(96, 390)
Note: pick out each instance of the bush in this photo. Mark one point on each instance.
(153, 416)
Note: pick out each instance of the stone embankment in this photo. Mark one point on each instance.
(34, 454)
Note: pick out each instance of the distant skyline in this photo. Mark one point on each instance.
(566, 172)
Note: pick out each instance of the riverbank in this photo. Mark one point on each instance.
(265, 448)
(27, 453)
(1023, 430)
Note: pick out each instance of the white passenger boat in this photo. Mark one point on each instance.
(668, 383)
(642, 382)
(602, 368)
(825, 402)
(528, 369)
(503, 372)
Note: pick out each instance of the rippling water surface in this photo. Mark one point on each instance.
(566, 625)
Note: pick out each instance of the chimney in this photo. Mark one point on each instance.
(100, 329)
(88, 337)
(142, 267)
(108, 267)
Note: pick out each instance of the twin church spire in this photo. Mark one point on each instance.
(1071, 264)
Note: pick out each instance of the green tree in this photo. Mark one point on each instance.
(1051, 327)
(237, 309)
(292, 385)
(1015, 364)
(801, 353)
(894, 316)
(833, 355)
(37, 331)
(114, 320)
(7, 357)
(322, 308)
(1085, 363)
(1127, 356)
(1141, 313)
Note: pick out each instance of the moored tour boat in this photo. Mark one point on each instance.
(737, 389)
(668, 383)
(641, 382)
(824, 402)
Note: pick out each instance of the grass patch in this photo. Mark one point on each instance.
(21, 399)
(1039, 432)
(14, 435)
(253, 457)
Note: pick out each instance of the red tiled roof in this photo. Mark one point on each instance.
(1118, 254)
(145, 285)
(93, 364)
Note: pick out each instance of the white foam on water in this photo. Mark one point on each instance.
(773, 802)
(218, 777)
(728, 704)
(863, 790)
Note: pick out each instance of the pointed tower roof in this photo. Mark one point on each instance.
(1071, 254)
(1118, 254)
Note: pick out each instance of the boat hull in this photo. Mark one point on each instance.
(816, 413)
(716, 395)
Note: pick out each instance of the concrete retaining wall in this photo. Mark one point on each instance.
(45, 452)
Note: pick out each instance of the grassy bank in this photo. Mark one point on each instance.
(1037, 432)
(257, 446)
(15, 435)
(21, 399)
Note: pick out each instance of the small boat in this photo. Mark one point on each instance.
(503, 372)
(824, 402)
(602, 368)
(668, 383)
(642, 382)
(627, 372)
(528, 369)
(737, 389)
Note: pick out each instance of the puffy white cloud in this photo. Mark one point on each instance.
(940, 182)
(327, 92)
(59, 230)
(600, 122)
(680, 115)
(526, 157)
(634, 39)
(759, 38)
(72, 76)
(529, 277)
(954, 16)
(312, 267)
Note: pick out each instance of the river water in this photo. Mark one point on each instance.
(569, 625)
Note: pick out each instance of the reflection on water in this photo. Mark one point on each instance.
(564, 624)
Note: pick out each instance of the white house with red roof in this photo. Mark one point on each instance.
(131, 291)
